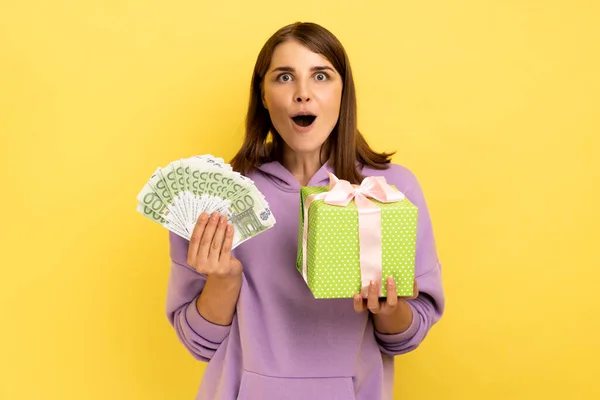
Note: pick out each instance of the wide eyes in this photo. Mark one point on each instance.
(287, 77)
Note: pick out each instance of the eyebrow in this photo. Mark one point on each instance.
(313, 69)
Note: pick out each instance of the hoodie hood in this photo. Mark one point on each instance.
(285, 180)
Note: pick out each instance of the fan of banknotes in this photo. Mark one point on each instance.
(177, 194)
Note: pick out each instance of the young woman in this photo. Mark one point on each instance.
(248, 312)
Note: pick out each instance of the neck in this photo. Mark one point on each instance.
(302, 166)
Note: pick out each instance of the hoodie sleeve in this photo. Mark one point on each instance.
(199, 336)
(428, 307)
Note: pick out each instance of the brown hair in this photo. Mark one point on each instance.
(346, 145)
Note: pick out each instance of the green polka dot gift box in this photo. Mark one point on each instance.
(332, 268)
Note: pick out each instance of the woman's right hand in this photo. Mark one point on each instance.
(209, 251)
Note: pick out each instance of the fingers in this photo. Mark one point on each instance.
(373, 298)
(210, 247)
(227, 243)
(359, 304)
(373, 303)
(195, 238)
(207, 237)
(217, 241)
(392, 293)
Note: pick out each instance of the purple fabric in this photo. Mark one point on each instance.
(283, 343)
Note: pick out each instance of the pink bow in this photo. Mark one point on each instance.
(341, 193)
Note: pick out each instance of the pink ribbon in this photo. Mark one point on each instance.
(341, 193)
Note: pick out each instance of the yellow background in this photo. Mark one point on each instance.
(493, 104)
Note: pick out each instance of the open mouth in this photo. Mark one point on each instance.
(304, 120)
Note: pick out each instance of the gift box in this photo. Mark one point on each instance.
(350, 234)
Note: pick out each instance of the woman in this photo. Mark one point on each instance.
(248, 312)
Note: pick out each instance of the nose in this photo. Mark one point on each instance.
(302, 95)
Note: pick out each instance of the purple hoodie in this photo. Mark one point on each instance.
(283, 343)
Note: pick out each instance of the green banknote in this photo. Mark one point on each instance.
(169, 176)
(155, 194)
(176, 195)
(151, 205)
(205, 173)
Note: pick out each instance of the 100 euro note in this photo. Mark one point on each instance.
(205, 174)
(152, 206)
(177, 194)
(246, 208)
(234, 195)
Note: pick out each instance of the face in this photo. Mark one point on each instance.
(302, 92)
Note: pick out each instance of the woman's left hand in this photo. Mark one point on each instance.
(385, 306)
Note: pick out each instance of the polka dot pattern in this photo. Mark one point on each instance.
(333, 248)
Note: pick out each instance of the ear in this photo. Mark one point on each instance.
(262, 98)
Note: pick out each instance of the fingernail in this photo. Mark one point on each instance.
(203, 216)
(229, 228)
(222, 220)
